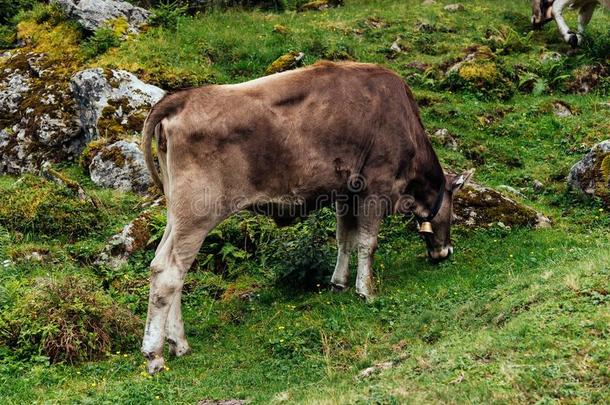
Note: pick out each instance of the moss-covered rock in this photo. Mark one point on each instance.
(480, 73)
(120, 165)
(112, 104)
(93, 15)
(591, 176)
(477, 206)
(132, 238)
(285, 62)
(38, 120)
(319, 5)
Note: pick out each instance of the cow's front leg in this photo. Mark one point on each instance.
(569, 36)
(368, 229)
(347, 236)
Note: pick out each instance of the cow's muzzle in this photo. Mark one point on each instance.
(438, 255)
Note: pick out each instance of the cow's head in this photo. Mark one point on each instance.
(436, 231)
(542, 12)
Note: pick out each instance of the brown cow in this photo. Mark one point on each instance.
(347, 133)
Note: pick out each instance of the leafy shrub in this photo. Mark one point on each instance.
(7, 36)
(34, 205)
(167, 14)
(10, 8)
(67, 320)
(100, 42)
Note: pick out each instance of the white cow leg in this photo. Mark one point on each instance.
(347, 235)
(167, 277)
(569, 36)
(174, 329)
(368, 228)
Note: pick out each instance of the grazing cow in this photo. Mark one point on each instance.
(347, 134)
(544, 11)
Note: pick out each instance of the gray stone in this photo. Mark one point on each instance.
(121, 166)
(561, 110)
(38, 121)
(586, 176)
(133, 237)
(95, 14)
(443, 137)
(96, 89)
(454, 7)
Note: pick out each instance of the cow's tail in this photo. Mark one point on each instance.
(152, 127)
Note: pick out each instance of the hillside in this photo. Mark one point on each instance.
(518, 314)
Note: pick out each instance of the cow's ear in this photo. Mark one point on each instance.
(459, 181)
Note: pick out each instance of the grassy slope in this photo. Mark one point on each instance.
(516, 316)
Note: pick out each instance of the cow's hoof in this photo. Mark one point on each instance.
(155, 365)
(366, 296)
(179, 349)
(573, 41)
(337, 287)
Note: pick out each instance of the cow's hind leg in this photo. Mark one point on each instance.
(168, 269)
(347, 236)
(368, 229)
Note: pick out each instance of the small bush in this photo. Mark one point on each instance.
(67, 320)
(10, 8)
(34, 205)
(100, 42)
(7, 36)
(167, 14)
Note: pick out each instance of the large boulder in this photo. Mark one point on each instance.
(477, 206)
(112, 103)
(96, 14)
(121, 166)
(590, 176)
(38, 118)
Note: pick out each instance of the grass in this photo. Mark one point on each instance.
(516, 316)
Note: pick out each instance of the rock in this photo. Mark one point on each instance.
(561, 110)
(591, 175)
(121, 166)
(418, 65)
(426, 27)
(511, 190)
(112, 103)
(285, 62)
(379, 367)
(550, 57)
(428, 3)
(120, 247)
(38, 119)
(476, 206)
(444, 138)
(395, 47)
(454, 7)
(96, 14)
(481, 71)
(221, 402)
(319, 5)
(587, 78)
(538, 185)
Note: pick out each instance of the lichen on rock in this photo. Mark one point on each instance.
(591, 176)
(477, 206)
(285, 62)
(96, 14)
(121, 166)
